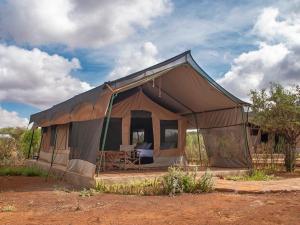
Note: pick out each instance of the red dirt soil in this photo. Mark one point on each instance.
(38, 202)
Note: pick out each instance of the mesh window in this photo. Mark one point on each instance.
(168, 134)
(53, 135)
(114, 134)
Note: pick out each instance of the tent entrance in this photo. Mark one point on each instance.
(141, 134)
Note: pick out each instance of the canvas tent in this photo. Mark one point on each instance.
(170, 97)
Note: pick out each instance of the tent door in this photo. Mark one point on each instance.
(141, 134)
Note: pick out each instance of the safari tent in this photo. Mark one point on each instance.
(156, 105)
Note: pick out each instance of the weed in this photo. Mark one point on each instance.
(255, 175)
(8, 208)
(206, 183)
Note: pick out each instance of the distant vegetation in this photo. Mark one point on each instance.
(277, 111)
(193, 154)
(15, 145)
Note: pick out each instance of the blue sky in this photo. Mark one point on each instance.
(52, 50)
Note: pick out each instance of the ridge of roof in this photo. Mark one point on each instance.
(160, 64)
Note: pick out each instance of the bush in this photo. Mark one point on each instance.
(206, 183)
(178, 181)
(14, 148)
(22, 171)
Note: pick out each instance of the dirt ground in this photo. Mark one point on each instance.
(35, 201)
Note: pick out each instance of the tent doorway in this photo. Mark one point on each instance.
(141, 134)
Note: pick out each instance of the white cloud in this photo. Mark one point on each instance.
(77, 23)
(36, 78)
(277, 59)
(270, 27)
(11, 119)
(133, 59)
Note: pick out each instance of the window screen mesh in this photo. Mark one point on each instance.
(168, 134)
(114, 134)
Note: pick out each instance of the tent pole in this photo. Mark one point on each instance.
(198, 138)
(52, 157)
(31, 140)
(106, 129)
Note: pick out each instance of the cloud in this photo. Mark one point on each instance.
(36, 78)
(11, 119)
(133, 59)
(277, 58)
(271, 28)
(77, 23)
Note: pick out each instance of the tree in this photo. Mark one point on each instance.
(26, 139)
(278, 111)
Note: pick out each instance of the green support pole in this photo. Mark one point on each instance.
(31, 140)
(106, 128)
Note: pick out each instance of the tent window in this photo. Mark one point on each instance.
(114, 134)
(254, 131)
(264, 137)
(53, 135)
(168, 134)
(70, 135)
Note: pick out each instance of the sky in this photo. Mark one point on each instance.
(53, 50)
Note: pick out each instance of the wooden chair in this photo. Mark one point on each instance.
(130, 157)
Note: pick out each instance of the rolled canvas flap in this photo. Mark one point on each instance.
(81, 167)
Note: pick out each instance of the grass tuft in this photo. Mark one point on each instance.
(22, 171)
(8, 208)
(255, 175)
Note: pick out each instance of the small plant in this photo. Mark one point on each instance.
(22, 171)
(87, 192)
(8, 208)
(206, 183)
(178, 181)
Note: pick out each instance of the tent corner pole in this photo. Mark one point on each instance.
(106, 128)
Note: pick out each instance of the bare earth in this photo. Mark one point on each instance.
(38, 202)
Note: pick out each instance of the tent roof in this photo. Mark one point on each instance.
(141, 78)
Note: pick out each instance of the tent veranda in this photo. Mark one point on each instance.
(174, 90)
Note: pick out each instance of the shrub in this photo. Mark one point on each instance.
(206, 183)
(178, 181)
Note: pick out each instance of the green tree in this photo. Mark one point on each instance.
(26, 139)
(278, 111)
